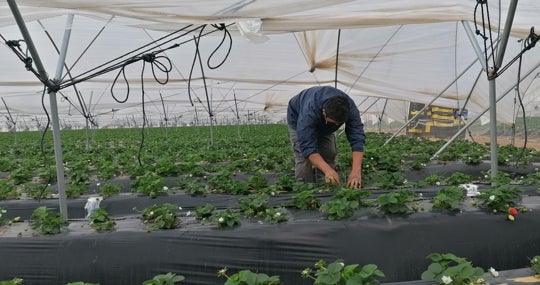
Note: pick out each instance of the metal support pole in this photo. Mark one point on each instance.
(474, 43)
(493, 147)
(493, 92)
(52, 96)
(55, 121)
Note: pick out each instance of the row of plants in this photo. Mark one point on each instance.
(28, 166)
(341, 203)
(444, 269)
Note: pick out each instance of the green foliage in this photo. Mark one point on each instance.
(276, 215)
(48, 174)
(226, 219)
(474, 155)
(339, 208)
(165, 166)
(434, 179)
(257, 181)
(286, 182)
(337, 273)
(107, 169)
(75, 190)
(354, 195)
(532, 178)
(165, 279)
(110, 189)
(395, 203)
(204, 212)
(100, 221)
(161, 217)
(458, 178)
(78, 172)
(7, 163)
(36, 191)
(47, 221)
(449, 199)
(389, 179)
(20, 175)
(247, 277)
(500, 198)
(502, 178)
(305, 200)
(535, 264)
(192, 186)
(149, 184)
(254, 205)
(450, 267)
(420, 161)
(222, 182)
(14, 281)
(8, 190)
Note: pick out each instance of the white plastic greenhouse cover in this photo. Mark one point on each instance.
(391, 52)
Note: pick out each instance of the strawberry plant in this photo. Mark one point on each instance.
(110, 189)
(247, 277)
(395, 202)
(47, 221)
(161, 217)
(100, 221)
(149, 184)
(204, 212)
(253, 205)
(449, 199)
(225, 219)
(337, 273)
(339, 208)
(305, 200)
(165, 279)
(8, 190)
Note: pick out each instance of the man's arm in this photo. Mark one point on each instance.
(355, 177)
(330, 175)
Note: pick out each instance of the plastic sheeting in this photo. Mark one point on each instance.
(129, 255)
(390, 53)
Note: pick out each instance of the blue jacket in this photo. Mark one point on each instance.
(304, 115)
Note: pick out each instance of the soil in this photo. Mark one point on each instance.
(518, 141)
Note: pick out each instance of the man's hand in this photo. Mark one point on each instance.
(331, 177)
(355, 180)
(355, 177)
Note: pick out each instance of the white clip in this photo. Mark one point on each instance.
(472, 190)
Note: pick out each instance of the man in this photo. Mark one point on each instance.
(313, 117)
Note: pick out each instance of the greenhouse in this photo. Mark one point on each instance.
(147, 142)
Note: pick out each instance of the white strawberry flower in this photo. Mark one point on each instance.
(446, 279)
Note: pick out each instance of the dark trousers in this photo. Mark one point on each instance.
(304, 170)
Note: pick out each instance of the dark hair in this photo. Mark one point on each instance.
(337, 108)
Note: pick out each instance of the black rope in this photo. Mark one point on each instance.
(148, 59)
(528, 43)
(226, 33)
(135, 56)
(483, 34)
(221, 27)
(15, 46)
(42, 144)
(522, 106)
